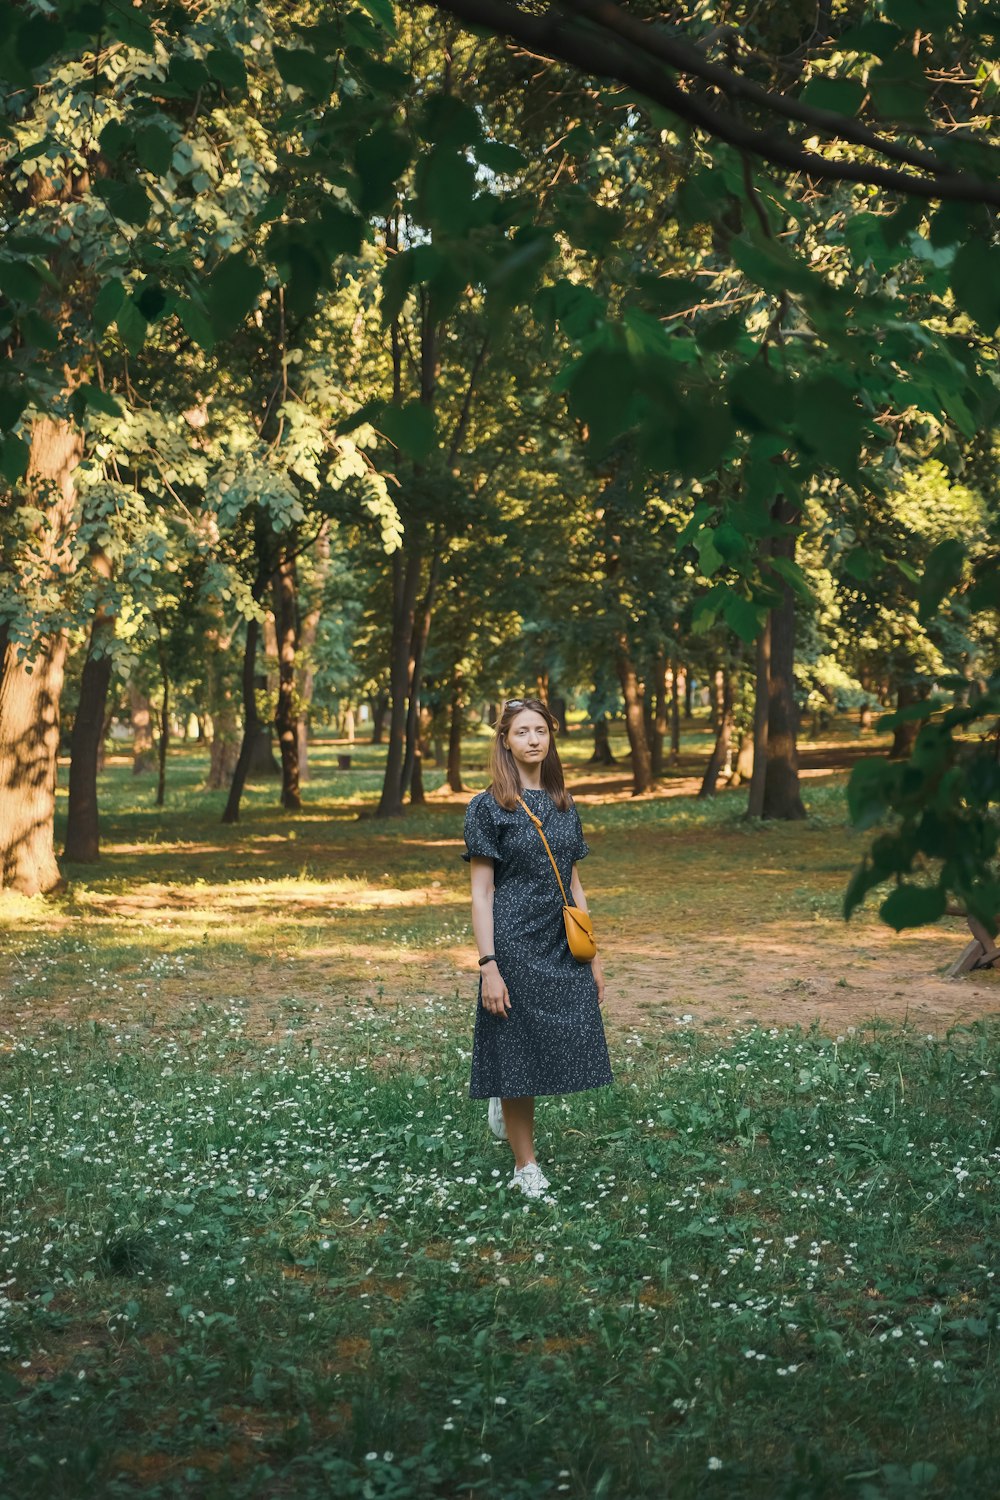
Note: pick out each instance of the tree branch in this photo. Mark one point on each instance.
(600, 54)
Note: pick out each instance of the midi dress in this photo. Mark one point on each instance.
(552, 1040)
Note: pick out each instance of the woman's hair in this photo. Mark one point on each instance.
(506, 783)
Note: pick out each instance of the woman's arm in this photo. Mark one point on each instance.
(495, 996)
(596, 967)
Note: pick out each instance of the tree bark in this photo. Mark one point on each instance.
(642, 773)
(782, 798)
(161, 777)
(285, 715)
(720, 752)
(251, 723)
(675, 714)
(82, 821)
(406, 568)
(421, 632)
(755, 800)
(659, 723)
(602, 755)
(904, 736)
(142, 733)
(455, 734)
(379, 705)
(29, 700)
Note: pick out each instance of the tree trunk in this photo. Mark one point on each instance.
(602, 755)
(142, 731)
(380, 704)
(251, 724)
(659, 726)
(642, 773)
(307, 644)
(422, 629)
(406, 568)
(675, 715)
(161, 778)
(285, 716)
(782, 798)
(905, 735)
(455, 734)
(755, 800)
(720, 752)
(82, 821)
(688, 692)
(29, 700)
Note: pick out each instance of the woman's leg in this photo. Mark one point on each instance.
(519, 1117)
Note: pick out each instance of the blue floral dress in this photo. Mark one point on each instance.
(552, 1040)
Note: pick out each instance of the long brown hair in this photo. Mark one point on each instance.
(506, 783)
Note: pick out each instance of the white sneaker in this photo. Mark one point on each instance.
(496, 1120)
(531, 1180)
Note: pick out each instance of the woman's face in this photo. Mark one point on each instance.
(528, 737)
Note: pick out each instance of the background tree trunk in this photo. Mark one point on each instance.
(675, 714)
(720, 752)
(82, 820)
(251, 723)
(782, 798)
(455, 734)
(904, 736)
(142, 731)
(421, 631)
(602, 755)
(755, 800)
(161, 777)
(29, 700)
(405, 585)
(659, 714)
(642, 773)
(285, 715)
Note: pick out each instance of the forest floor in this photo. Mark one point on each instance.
(257, 1243)
(699, 914)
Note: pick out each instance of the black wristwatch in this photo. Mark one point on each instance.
(488, 958)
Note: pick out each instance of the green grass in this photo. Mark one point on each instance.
(296, 1270)
(256, 1241)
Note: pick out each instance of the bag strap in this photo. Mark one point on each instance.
(538, 824)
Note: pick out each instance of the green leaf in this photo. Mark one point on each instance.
(600, 394)
(446, 185)
(788, 569)
(228, 69)
(38, 330)
(912, 906)
(912, 713)
(196, 325)
(447, 121)
(942, 574)
(743, 617)
(107, 304)
(232, 292)
(155, 149)
(761, 400)
(114, 139)
(382, 12)
(975, 282)
(411, 427)
(869, 791)
(20, 281)
(934, 16)
(985, 592)
(14, 455)
(100, 400)
(380, 160)
(500, 157)
(13, 400)
(127, 201)
(132, 326)
(842, 96)
(304, 70)
(729, 543)
(830, 422)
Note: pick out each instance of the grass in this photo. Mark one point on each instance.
(255, 1239)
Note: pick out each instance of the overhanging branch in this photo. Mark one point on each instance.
(603, 52)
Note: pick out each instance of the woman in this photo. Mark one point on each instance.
(538, 1021)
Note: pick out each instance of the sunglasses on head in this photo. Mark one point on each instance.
(513, 703)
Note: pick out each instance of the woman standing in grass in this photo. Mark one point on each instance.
(538, 1021)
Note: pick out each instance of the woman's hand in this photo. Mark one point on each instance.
(495, 997)
(597, 969)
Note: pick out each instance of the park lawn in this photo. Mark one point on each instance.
(255, 1240)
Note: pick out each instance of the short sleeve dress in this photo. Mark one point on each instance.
(552, 1039)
